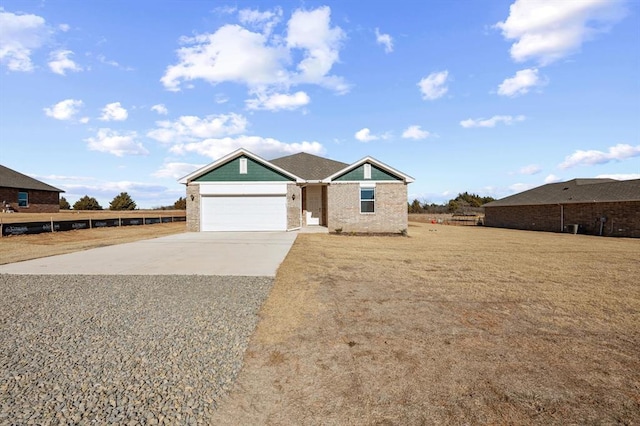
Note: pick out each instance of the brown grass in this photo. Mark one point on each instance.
(453, 325)
(24, 247)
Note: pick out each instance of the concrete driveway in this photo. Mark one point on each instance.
(192, 253)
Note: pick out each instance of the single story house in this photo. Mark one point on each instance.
(591, 206)
(243, 192)
(22, 193)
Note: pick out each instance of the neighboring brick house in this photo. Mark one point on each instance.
(243, 192)
(590, 206)
(21, 193)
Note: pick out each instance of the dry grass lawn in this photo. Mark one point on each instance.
(24, 247)
(453, 325)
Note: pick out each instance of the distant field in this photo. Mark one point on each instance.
(85, 214)
(24, 247)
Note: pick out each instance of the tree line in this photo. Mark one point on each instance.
(122, 201)
(463, 203)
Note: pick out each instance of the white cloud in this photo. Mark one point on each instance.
(618, 152)
(491, 122)
(60, 63)
(551, 179)
(520, 187)
(263, 21)
(114, 112)
(434, 85)
(415, 132)
(384, 39)
(176, 170)
(520, 83)
(116, 143)
(84, 120)
(311, 31)
(64, 27)
(64, 110)
(191, 128)
(160, 109)
(620, 176)
(278, 101)
(531, 169)
(103, 59)
(19, 35)
(232, 53)
(266, 147)
(235, 54)
(550, 30)
(221, 99)
(364, 135)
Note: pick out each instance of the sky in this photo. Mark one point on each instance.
(491, 97)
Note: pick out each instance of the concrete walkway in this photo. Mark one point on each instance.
(192, 253)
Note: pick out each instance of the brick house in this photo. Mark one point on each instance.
(590, 206)
(22, 193)
(243, 192)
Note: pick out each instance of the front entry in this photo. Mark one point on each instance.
(314, 204)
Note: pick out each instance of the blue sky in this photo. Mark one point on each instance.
(492, 97)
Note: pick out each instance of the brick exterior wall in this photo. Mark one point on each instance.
(193, 208)
(390, 208)
(39, 201)
(294, 207)
(623, 218)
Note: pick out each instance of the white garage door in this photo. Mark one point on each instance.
(244, 213)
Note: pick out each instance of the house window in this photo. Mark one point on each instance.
(367, 171)
(243, 166)
(367, 200)
(23, 199)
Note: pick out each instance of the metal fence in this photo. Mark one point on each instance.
(71, 225)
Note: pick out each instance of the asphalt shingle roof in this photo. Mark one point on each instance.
(11, 179)
(309, 166)
(575, 191)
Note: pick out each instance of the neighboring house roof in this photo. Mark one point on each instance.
(235, 154)
(11, 179)
(371, 160)
(575, 191)
(308, 166)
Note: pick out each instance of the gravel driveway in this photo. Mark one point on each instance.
(122, 349)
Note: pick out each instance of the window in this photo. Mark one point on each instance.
(243, 166)
(367, 171)
(367, 200)
(23, 199)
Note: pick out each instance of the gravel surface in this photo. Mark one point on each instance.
(122, 349)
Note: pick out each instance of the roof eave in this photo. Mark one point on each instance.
(237, 153)
(406, 178)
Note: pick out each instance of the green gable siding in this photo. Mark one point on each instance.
(357, 174)
(230, 172)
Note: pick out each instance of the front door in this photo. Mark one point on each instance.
(314, 204)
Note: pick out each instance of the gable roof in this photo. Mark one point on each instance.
(235, 154)
(371, 160)
(575, 191)
(11, 179)
(309, 166)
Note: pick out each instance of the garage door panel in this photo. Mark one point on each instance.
(243, 213)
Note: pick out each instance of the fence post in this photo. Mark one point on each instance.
(52, 230)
